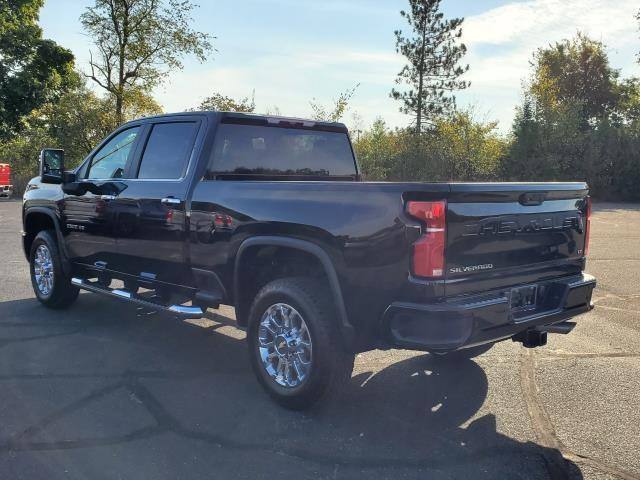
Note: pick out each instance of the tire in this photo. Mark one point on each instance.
(51, 285)
(312, 347)
(465, 353)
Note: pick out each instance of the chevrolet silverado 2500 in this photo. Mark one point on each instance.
(189, 211)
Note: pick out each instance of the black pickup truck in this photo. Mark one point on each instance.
(268, 214)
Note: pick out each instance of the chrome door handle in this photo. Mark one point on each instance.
(171, 201)
(107, 197)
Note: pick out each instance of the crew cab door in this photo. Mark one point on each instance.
(151, 215)
(89, 218)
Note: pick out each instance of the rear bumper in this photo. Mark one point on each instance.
(488, 317)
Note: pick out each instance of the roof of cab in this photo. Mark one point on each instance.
(251, 118)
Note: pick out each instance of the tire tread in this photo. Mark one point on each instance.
(312, 292)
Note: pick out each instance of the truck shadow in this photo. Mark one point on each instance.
(99, 377)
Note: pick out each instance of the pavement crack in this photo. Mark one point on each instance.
(557, 454)
(556, 355)
(600, 466)
(542, 427)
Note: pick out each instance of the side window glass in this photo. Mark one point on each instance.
(168, 149)
(111, 160)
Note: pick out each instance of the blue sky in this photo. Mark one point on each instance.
(291, 51)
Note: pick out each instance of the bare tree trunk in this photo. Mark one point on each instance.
(421, 81)
(119, 108)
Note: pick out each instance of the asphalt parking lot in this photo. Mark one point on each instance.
(99, 392)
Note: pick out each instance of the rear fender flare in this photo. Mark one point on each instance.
(276, 241)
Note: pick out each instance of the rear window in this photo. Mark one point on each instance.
(275, 151)
(167, 152)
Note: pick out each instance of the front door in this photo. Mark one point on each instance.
(89, 219)
(151, 220)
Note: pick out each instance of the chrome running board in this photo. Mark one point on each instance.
(182, 311)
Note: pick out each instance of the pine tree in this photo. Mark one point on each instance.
(433, 52)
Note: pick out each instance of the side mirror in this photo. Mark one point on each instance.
(51, 165)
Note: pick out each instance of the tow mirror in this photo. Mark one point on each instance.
(51, 165)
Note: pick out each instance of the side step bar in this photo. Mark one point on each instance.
(181, 311)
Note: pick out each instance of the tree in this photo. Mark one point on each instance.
(433, 53)
(579, 121)
(464, 148)
(458, 147)
(138, 42)
(337, 110)
(576, 71)
(80, 119)
(75, 122)
(33, 70)
(221, 103)
(378, 149)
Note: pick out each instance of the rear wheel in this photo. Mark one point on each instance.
(294, 342)
(51, 285)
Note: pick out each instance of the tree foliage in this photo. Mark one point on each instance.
(458, 147)
(432, 73)
(76, 122)
(222, 103)
(337, 110)
(33, 70)
(576, 71)
(578, 121)
(137, 42)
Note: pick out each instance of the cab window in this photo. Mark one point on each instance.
(167, 152)
(111, 160)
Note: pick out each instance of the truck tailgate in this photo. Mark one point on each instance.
(506, 234)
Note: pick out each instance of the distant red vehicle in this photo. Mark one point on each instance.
(6, 189)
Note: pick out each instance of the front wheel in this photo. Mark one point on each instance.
(294, 343)
(51, 285)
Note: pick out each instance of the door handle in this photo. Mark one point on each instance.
(107, 197)
(171, 201)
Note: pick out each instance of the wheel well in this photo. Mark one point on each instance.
(262, 264)
(34, 223)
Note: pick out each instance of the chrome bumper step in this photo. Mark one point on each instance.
(182, 311)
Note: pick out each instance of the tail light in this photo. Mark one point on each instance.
(428, 251)
(587, 229)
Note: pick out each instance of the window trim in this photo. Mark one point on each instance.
(137, 163)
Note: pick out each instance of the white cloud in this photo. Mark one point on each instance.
(538, 20)
(501, 42)
(290, 79)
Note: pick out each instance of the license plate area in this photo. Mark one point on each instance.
(524, 299)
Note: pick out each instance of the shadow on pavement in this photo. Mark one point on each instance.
(96, 384)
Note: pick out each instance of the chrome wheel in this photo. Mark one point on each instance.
(43, 270)
(285, 345)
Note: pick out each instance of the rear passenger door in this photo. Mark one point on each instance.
(151, 214)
